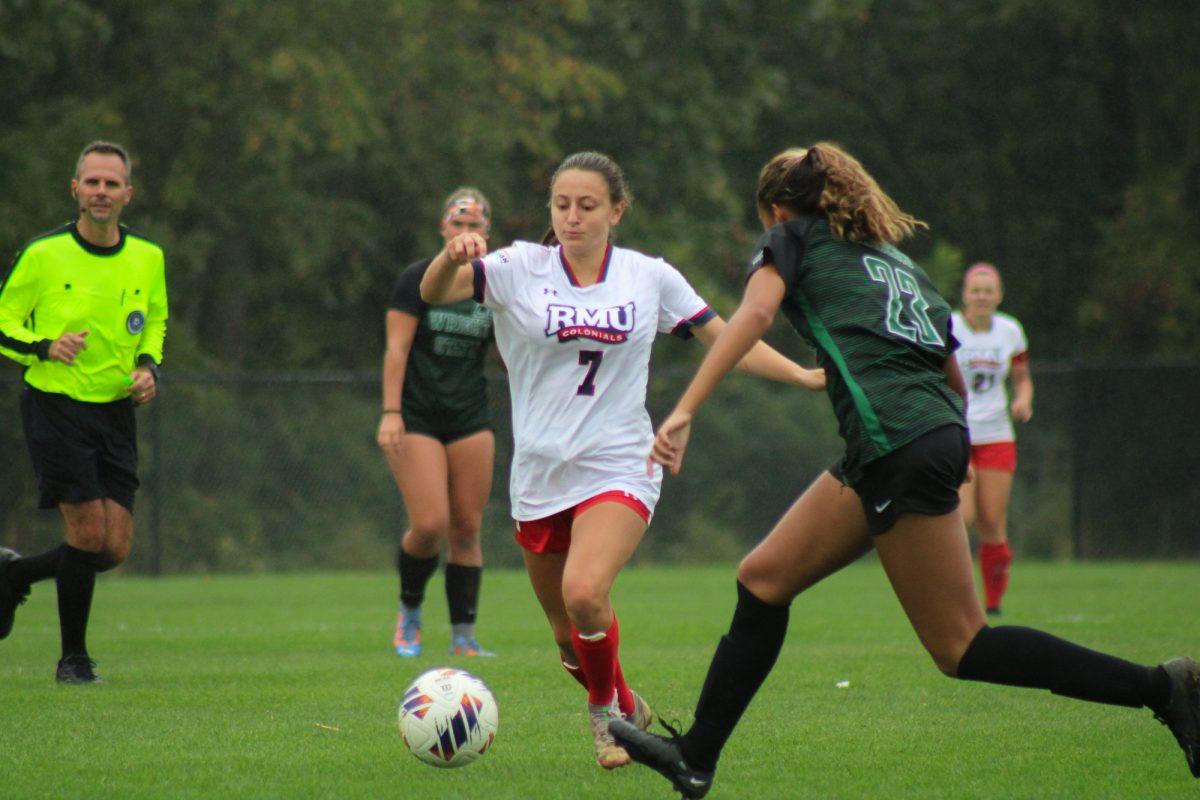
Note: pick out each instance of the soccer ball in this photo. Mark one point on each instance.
(448, 717)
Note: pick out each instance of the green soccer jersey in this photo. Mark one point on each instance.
(881, 330)
(444, 376)
(62, 283)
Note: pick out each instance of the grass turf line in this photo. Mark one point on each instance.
(228, 686)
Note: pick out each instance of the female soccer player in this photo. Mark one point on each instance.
(882, 332)
(575, 320)
(993, 348)
(437, 436)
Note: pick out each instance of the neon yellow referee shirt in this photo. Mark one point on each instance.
(62, 283)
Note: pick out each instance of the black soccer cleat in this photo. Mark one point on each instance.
(77, 669)
(1182, 712)
(11, 596)
(661, 755)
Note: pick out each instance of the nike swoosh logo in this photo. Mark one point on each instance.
(879, 508)
(696, 781)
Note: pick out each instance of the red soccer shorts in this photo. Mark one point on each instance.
(552, 534)
(1000, 456)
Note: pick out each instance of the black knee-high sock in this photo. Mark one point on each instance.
(1017, 656)
(414, 575)
(76, 580)
(31, 569)
(462, 592)
(743, 659)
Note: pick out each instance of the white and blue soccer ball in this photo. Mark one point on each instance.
(448, 717)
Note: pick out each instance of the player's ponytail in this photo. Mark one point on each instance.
(824, 179)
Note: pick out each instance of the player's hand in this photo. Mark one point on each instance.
(142, 386)
(811, 379)
(670, 442)
(390, 436)
(1021, 410)
(66, 347)
(466, 247)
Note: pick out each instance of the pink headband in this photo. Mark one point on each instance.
(982, 266)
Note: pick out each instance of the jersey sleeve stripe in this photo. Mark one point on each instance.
(684, 329)
(479, 280)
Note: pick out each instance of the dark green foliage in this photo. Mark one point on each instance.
(292, 159)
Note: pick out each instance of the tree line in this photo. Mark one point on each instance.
(292, 159)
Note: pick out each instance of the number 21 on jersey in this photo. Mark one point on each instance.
(904, 294)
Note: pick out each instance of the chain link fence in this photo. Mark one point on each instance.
(280, 471)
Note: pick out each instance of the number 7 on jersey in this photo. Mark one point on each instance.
(591, 359)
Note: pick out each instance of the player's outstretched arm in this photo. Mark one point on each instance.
(450, 277)
(765, 361)
(743, 331)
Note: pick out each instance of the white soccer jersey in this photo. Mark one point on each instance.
(985, 358)
(578, 362)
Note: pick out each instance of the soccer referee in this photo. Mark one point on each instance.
(84, 307)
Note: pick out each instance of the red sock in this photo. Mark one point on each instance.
(598, 657)
(624, 695)
(575, 672)
(994, 560)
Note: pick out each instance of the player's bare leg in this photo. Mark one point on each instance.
(421, 472)
(603, 539)
(928, 561)
(823, 531)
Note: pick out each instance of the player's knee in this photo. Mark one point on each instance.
(429, 531)
(988, 521)
(464, 536)
(113, 555)
(759, 576)
(87, 537)
(947, 655)
(584, 600)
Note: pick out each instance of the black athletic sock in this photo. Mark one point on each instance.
(31, 569)
(76, 579)
(743, 659)
(1016, 656)
(414, 575)
(462, 592)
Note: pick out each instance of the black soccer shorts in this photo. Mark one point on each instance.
(80, 451)
(922, 477)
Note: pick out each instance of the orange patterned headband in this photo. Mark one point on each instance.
(465, 207)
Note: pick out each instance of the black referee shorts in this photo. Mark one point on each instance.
(922, 477)
(80, 451)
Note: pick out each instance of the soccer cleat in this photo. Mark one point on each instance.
(609, 754)
(642, 714)
(407, 640)
(468, 646)
(1182, 712)
(661, 755)
(10, 596)
(77, 669)
(993, 611)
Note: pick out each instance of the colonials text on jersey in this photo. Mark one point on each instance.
(610, 325)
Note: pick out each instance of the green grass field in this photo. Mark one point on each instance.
(286, 686)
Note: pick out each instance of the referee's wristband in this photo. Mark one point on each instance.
(391, 411)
